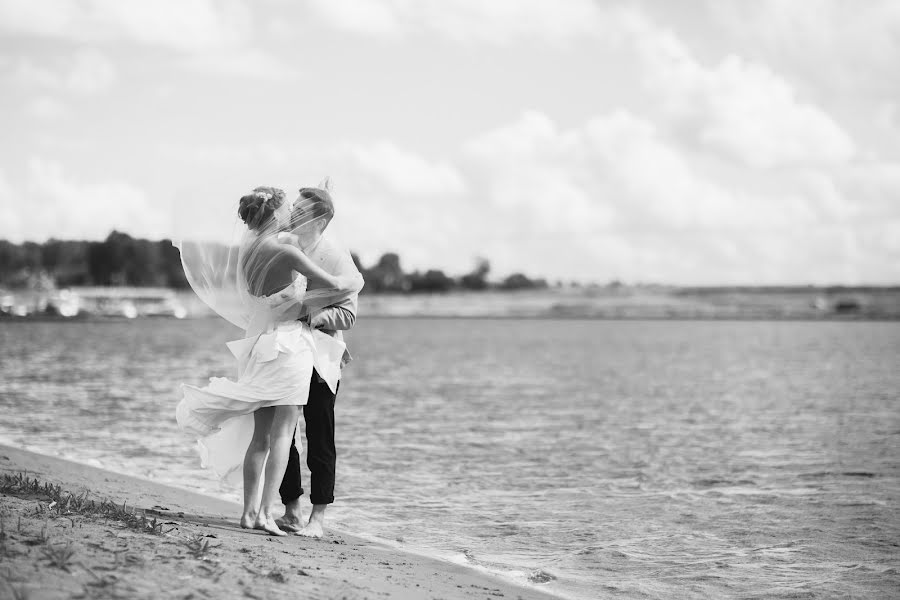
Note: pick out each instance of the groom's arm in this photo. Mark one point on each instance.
(336, 317)
(342, 315)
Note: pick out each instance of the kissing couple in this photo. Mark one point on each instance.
(293, 291)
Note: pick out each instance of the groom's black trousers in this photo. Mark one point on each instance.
(321, 456)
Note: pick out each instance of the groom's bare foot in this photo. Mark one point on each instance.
(292, 525)
(293, 518)
(316, 526)
(313, 529)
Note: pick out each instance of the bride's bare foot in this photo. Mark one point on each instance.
(270, 527)
(249, 520)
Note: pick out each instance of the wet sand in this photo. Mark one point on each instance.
(197, 550)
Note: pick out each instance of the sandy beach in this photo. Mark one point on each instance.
(194, 549)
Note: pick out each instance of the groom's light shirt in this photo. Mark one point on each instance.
(335, 319)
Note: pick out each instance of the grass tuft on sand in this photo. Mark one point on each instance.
(52, 500)
(56, 529)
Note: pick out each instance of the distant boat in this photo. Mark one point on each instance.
(65, 303)
(847, 305)
(16, 307)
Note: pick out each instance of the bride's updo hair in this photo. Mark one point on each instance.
(258, 207)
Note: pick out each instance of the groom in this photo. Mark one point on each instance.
(319, 410)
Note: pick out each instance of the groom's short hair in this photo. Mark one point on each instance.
(314, 203)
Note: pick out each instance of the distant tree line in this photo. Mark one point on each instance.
(121, 260)
(387, 276)
(117, 261)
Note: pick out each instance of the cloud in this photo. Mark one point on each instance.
(875, 187)
(393, 199)
(740, 107)
(401, 171)
(735, 106)
(184, 25)
(495, 22)
(250, 63)
(841, 46)
(359, 16)
(215, 37)
(9, 216)
(86, 72)
(374, 165)
(618, 196)
(48, 203)
(47, 108)
(619, 171)
(536, 178)
(91, 72)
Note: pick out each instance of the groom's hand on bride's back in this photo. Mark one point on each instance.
(332, 318)
(316, 323)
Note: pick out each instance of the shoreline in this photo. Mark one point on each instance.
(355, 566)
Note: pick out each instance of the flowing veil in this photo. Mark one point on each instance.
(239, 280)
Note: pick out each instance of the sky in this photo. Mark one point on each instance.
(695, 142)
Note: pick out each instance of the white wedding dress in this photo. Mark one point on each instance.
(275, 362)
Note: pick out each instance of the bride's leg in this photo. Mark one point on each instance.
(280, 436)
(254, 461)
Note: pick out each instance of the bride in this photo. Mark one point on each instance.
(259, 284)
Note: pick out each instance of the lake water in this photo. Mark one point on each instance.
(631, 459)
